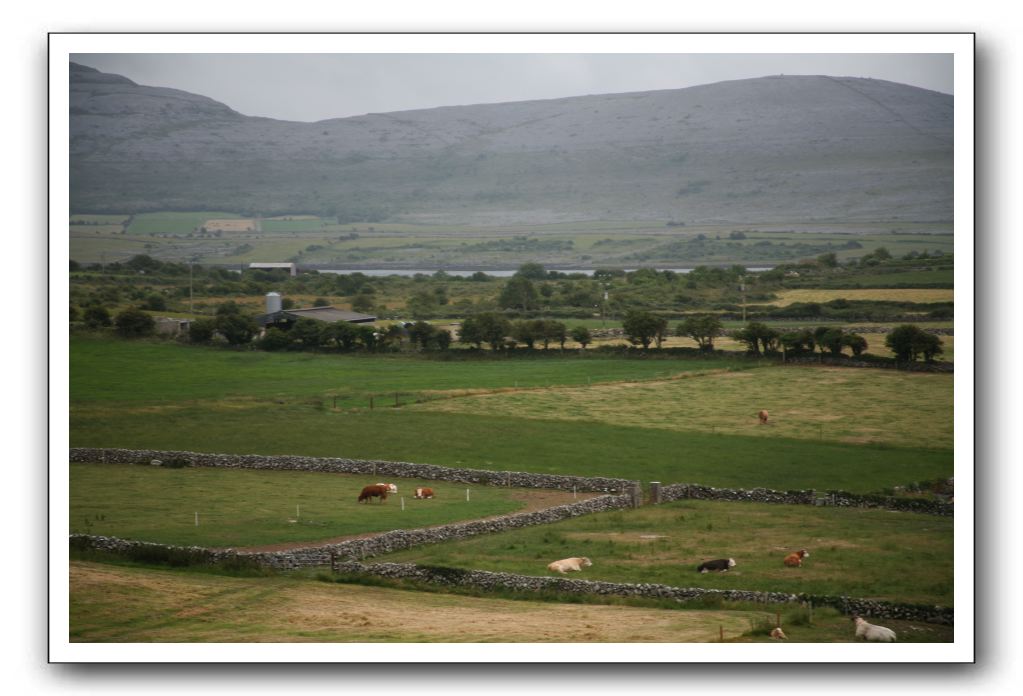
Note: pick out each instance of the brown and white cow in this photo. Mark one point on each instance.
(379, 490)
(424, 493)
(762, 415)
(391, 488)
(795, 559)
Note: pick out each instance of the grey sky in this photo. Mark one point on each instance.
(312, 87)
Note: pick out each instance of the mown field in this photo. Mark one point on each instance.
(787, 297)
(855, 552)
(123, 604)
(165, 396)
(815, 403)
(243, 507)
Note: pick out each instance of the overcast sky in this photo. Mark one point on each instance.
(312, 87)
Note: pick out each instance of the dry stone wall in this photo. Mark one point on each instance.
(486, 580)
(684, 491)
(396, 540)
(374, 468)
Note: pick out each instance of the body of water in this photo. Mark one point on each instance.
(505, 273)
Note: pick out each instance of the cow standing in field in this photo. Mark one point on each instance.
(379, 490)
(762, 415)
(391, 488)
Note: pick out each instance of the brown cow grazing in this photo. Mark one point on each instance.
(379, 490)
(762, 415)
(795, 559)
(424, 493)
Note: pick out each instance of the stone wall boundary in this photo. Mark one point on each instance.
(687, 491)
(369, 467)
(325, 554)
(487, 580)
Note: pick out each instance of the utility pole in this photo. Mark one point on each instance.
(742, 289)
(190, 310)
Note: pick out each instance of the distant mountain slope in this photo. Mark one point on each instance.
(772, 149)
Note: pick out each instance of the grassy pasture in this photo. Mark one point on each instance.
(856, 406)
(166, 396)
(103, 369)
(173, 222)
(787, 297)
(125, 604)
(243, 507)
(860, 553)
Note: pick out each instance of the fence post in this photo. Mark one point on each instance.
(636, 492)
(655, 492)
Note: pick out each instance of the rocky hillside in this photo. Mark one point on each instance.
(766, 150)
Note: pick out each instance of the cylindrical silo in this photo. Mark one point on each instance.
(273, 302)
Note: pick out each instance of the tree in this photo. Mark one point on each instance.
(96, 317)
(556, 331)
(471, 332)
(321, 302)
(362, 302)
(494, 328)
(343, 335)
(442, 338)
(275, 339)
(828, 260)
(367, 336)
(201, 330)
(133, 323)
(519, 293)
(830, 338)
(308, 332)
(155, 302)
(857, 344)
(908, 342)
(228, 308)
(422, 333)
(757, 334)
(525, 331)
(702, 328)
(581, 335)
(236, 329)
(641, 328)
(532, 271)
(797, 342)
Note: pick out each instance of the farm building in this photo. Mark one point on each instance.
(167, 326)
(288, 265)
(284, 318)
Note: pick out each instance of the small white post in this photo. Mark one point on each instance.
(467, 495)
(573, 492)
(197, 519)
(403, 503)
(298, 511)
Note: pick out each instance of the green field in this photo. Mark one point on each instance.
(173, 223)
(854, 552)
(241, 507)
(804, 402)
(166, 396)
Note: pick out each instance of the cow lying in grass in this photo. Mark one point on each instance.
(795, 559)
(870, 632)
(567, 564)
(423, 493)
(721, 565)
(378, 490)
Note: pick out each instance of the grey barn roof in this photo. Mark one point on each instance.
(328, 314)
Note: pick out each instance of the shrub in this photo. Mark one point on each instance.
(133, 323)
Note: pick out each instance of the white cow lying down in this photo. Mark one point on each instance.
(869, 631)
(567, 564)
